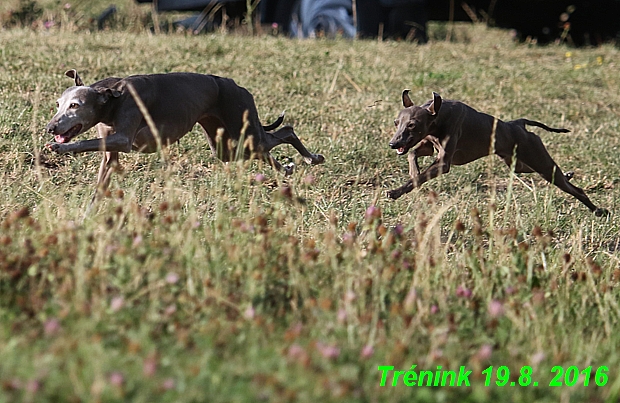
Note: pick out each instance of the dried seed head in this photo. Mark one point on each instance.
(22, 213)
(459, 226)
(432, 197)
(286, 191)
(333, 220)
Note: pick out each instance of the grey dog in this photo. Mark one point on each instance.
(175, 102)
(460, 134)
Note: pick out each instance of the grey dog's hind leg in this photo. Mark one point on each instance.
(286, 135)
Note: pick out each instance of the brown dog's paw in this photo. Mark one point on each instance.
(601, 212)
(393, 194)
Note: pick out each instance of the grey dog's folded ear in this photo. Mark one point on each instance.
(74, 75)
(104, 94)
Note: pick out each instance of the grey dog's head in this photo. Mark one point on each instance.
(78, 109)
(414, 123)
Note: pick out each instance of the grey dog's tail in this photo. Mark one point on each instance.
(275, 124)
(523, 122)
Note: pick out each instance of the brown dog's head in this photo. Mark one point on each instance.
(414, 123)
(77, 109)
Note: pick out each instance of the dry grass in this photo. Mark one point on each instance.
(199, 281)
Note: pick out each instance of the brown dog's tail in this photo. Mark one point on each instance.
(523, 122)
(275, 124)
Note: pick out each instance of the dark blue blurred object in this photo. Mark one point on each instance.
(329, 17)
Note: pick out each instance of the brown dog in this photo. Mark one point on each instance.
(461, 135)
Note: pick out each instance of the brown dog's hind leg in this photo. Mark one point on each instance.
(108, 163)
(540, 161)
(520, 167)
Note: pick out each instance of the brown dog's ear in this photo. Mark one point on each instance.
(106, 93)
(406, 100)
(74, 75)
(435, 105)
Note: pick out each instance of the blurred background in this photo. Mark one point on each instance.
(576, 22)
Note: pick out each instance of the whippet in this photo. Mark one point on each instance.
(174, 102)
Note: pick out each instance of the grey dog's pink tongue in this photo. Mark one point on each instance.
(401, 150)
(59, 138)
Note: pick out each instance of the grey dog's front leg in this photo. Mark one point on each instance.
(113, 143)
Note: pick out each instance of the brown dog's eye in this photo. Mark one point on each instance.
(396, 123)
(57, 105)
(411, 126)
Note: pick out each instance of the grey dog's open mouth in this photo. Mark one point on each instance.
(400, 150)
(68, 135)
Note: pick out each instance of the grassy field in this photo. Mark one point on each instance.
(199, 281)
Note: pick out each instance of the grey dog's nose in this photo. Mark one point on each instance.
(50, 128)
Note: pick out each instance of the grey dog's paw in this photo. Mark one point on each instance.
(59, 148)
(315, 159)
(55, 147)
(288, 169)
(318, 159)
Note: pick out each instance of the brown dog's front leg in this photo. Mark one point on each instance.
(424, 148)
(436, 169)
(398, 192)
(440, 166)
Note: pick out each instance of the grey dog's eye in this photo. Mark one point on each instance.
(411, 126)
(396, 123)
(74, 106)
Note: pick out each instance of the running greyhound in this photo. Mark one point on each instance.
(122, 107)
